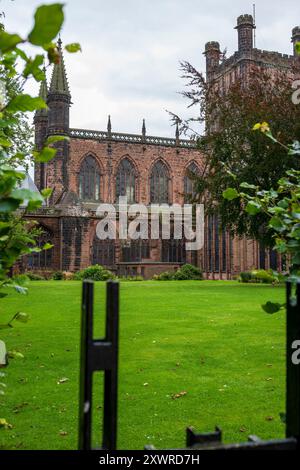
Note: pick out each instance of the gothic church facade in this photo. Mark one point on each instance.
(94, 167)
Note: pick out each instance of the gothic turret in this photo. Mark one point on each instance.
(41, 125)
(59, 101)
(295, 38)
(59, 98)
(213, 54)
(245, 27)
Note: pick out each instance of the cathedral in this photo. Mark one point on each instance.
(94, 167)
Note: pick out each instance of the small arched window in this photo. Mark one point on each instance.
(89, 180)
(159, 183)
(192, 172)
(126, 180)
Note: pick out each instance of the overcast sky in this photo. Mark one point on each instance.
(129, 66)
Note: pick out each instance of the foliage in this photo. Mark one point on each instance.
(18, 237)
(230, 148)
(34, 276)
(260, 276)
(187, 272)
(94, 273)
(165, 276)
(58, 276)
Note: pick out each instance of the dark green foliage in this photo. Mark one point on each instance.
(58, 276)
(187, 272)
(259, 276)
(94, 273)
(35, 277)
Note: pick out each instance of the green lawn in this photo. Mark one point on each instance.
(210, 339)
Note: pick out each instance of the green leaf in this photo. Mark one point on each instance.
(248, 186)
(9, 41)
(277, 224)
(5, 142)
(15, 355)
(230, 194)
(253, 207)
(9, 204)
(25, 103)
(48, 20)
(47, 246)
(56, 138)
(271, 307)
(22, 317)
(297, 47)
(45, 155)
(46, 192)
(33, 68)
(74, 47)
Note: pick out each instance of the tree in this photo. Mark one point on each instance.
(17, 238)
(229, 147)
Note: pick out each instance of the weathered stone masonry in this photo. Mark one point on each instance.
(93, 166)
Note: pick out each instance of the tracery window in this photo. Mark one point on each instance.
(189, 182)
(89, 180)
(159, 184)
(126, 181)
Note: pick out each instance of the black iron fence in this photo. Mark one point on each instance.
(103, 355)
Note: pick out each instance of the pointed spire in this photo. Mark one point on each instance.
(109, 126)
(43, 93)
(144, 129)
(59, 82)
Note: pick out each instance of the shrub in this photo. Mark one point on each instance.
(186, 273)
(58, 276)
(262, 276)
(94, 273)
(191, 272)
(166, 276)
(34, 277)
(246, 276)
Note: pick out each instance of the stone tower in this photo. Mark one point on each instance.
(295, 38)
(245, 27)
(41, 130)
(59, 102)
(212, 54)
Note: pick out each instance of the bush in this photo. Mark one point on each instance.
(58, 276)
(34, 277)
(166, 276)
(260, 276)
(94, 273)
(190, 272)
(246, 276)
(186, 273)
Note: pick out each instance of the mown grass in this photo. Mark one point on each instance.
(210, 339)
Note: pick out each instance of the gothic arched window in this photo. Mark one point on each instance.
(89, 180)
(159, 185)
(42, 259)
(192, 172)
(125, 181)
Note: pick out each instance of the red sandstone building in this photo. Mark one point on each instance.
(99, 166)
